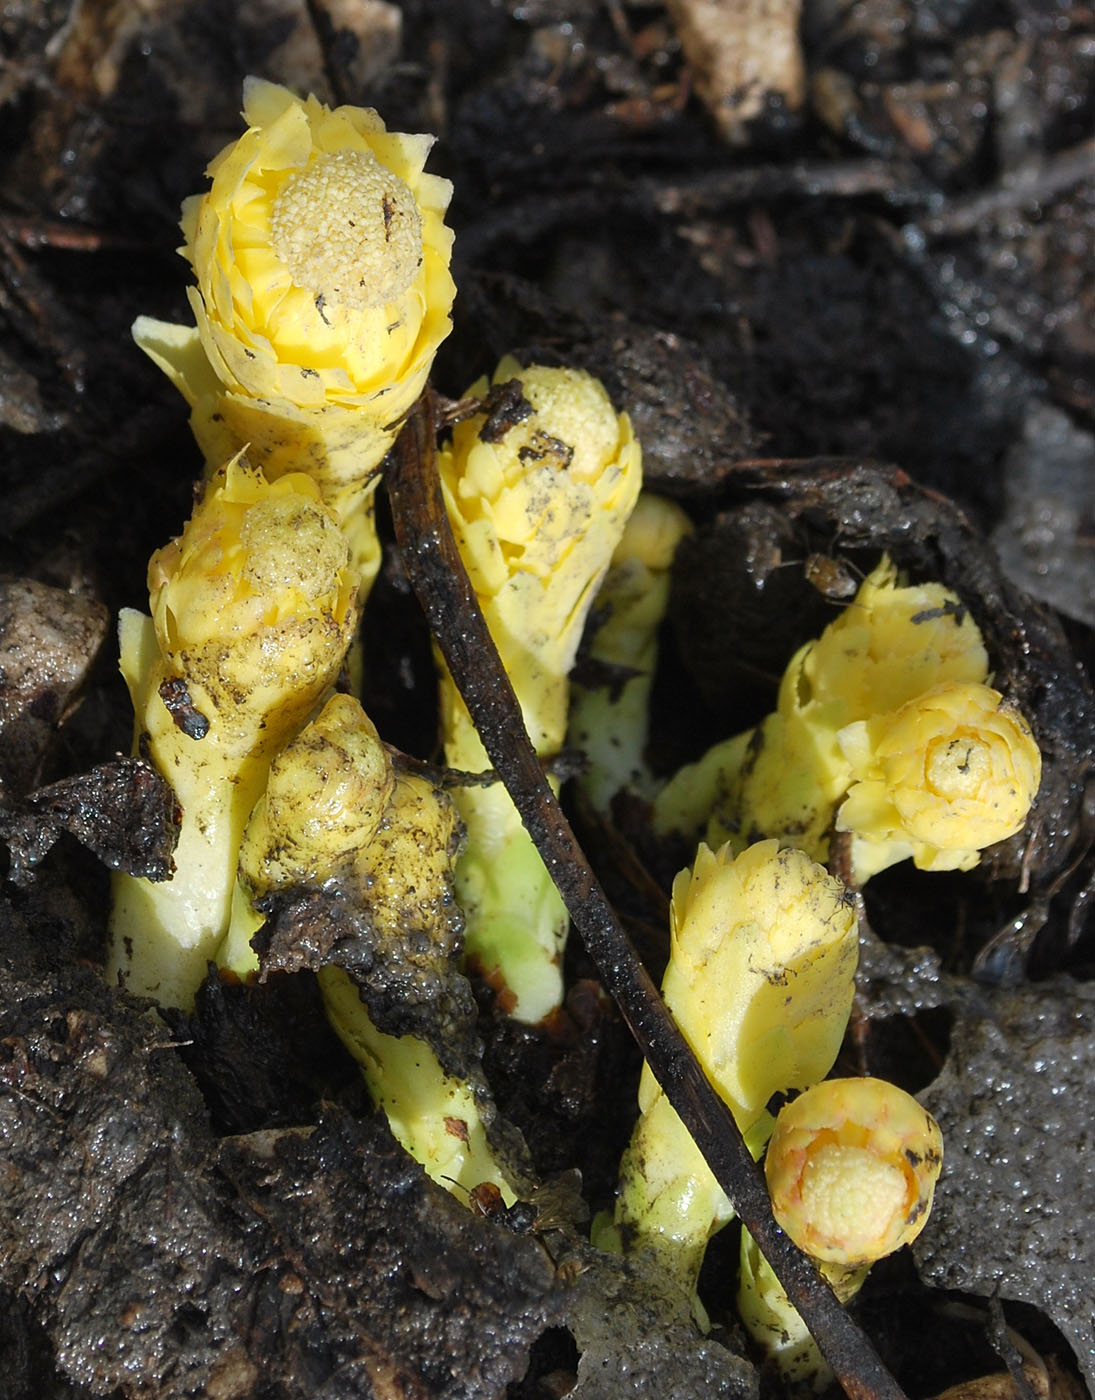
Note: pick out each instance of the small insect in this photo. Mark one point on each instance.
(557, 1205)
(833, 578)
(506, 406)
(486, 1200)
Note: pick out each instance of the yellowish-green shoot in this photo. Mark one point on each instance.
(760, 981)
(537, 507)
(885, 728)
(609, 720)
(851, 1168)
(253, 609)
(436, 1116)
(335, 815)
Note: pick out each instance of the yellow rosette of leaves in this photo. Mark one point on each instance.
(537, 508)
(760, 980)
(851, 1169)
(939, 779)
(253, 609)
(323, 291)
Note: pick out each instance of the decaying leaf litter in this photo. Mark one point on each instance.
(895, 271)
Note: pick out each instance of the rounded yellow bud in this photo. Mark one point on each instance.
(851, 1169)
(563, 474)
(537, 507)
(330, 797)
(323, 290)
(949, 773)
(321, 257)
(328, 789)
(654, 530)
(255, 601)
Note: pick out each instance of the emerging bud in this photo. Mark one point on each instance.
(884, 728)
(335, 816)
(537, 510)
(253, 611)
(325, 799)
(891, 643)
(851, 1168)
(323, 291)
(254, 602)
(336, 810)
(946, 775)
(761, 971)
(537, 495)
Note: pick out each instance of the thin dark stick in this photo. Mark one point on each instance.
(436, 570)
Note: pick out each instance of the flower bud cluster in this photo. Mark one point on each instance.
(885, 728)
(321, 261)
